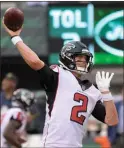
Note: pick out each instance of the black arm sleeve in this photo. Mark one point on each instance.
(99, 112)
(48, 78)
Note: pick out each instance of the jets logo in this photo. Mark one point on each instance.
(114, 31)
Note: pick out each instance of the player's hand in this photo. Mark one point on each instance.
(10, 32)
(103, 80)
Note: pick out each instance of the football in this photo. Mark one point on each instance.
(13, 18)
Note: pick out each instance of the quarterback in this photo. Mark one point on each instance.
(70, 99)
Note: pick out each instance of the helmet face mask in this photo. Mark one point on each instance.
(68, 54)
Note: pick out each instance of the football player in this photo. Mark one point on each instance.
(70, 100)
(13, 122)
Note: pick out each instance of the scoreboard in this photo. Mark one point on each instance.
(69, 23)
(100, 28)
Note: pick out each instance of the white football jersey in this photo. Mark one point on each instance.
(72, 107)
(17, 114)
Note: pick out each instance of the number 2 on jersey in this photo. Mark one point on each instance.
(79, 108)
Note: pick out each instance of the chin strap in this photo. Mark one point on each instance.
(80, 70)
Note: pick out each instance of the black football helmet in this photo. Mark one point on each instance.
(24, 96)
(68, 53)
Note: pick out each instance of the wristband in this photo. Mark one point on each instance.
(107, 97)
(16, 39)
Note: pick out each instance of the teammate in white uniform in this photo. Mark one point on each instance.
(70, 100)
(13, 122)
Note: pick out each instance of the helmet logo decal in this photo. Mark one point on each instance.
(67, 47)
(70, 46)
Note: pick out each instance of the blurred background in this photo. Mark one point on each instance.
(49, 25)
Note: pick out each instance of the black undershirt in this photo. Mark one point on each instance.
(49, 81)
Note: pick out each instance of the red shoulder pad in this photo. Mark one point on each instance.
(18, 116)
(55, 68)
